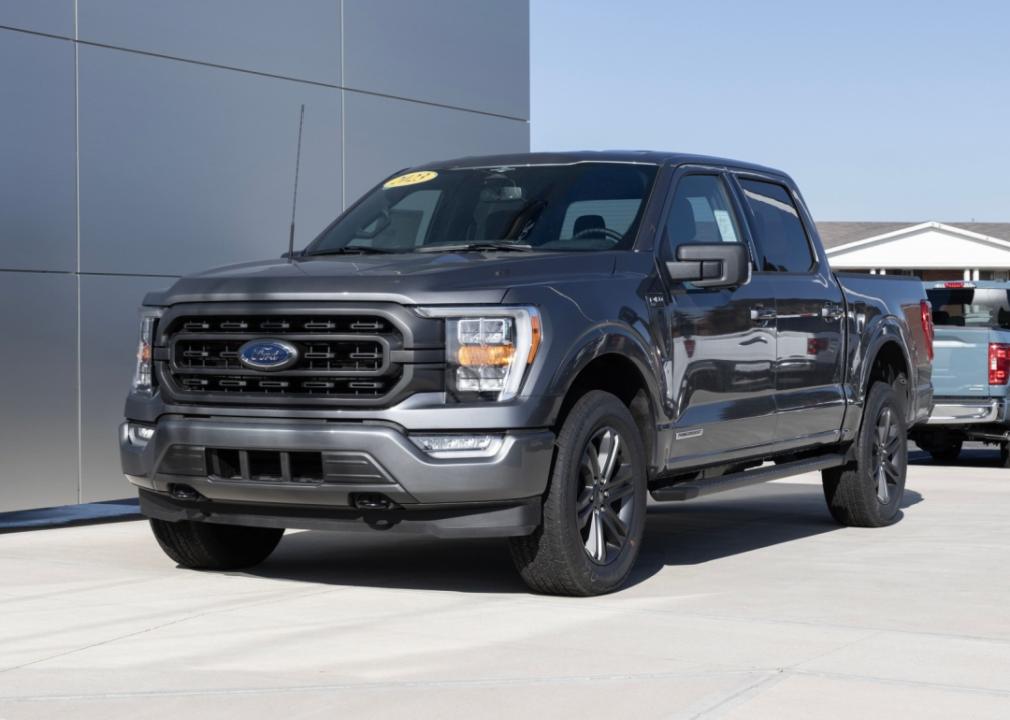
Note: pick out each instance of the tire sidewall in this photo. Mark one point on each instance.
(593, 411)
(882, 395)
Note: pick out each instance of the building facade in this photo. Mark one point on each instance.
(930, 250)
(141, 140)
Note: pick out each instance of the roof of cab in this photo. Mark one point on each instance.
(650, 157)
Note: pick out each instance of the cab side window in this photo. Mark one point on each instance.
(701, 213)
(781, 241)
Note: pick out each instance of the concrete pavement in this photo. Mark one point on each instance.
(746, 605)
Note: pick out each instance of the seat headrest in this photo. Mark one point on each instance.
(588, 222)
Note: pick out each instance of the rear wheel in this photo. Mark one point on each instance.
(207, 546)
(946, 452)
(867, 492)
(594, 510)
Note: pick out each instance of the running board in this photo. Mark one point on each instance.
(692, 489)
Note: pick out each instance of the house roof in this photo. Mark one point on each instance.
(835, 234)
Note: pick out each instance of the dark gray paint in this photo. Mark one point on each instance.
(38, 384)
(55, 17)
(382, 135)
(185, 166)
(37, 169)
(292, 39)
(108, 348)
(466, 53)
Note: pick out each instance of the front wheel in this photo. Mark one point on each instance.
(594, 510)
(207, 546)
(867, 492)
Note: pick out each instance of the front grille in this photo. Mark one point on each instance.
(345, 356)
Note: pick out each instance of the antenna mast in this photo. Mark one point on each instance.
(294, 199)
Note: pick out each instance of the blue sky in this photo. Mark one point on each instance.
(880, 110)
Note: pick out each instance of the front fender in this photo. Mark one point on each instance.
(609, 339)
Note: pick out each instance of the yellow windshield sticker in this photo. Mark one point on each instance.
(411, 179)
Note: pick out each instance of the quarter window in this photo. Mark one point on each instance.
(781, 241)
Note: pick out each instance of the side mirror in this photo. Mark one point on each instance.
(711, 265)
(291, 255)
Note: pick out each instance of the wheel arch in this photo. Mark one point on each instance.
(615, 361)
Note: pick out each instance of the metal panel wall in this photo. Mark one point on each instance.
(38, 390)
(55, 17)
(471, 54)
(158, 138)
(185, 166)
(38, 205)
(292, 39)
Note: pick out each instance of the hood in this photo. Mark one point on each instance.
(408, 279)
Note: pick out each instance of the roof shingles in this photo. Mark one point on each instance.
(835, 234)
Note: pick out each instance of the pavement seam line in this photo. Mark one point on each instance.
(390, 685)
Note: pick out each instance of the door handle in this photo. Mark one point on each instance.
(762, 314)
(832, 311)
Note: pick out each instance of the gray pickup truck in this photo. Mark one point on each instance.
(971, 370)
(525, 346)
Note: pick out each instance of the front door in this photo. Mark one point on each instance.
(721, 342)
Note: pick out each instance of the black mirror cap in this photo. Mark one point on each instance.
(711, 265)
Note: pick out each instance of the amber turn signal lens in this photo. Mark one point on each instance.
(477, 355)
(535, 340)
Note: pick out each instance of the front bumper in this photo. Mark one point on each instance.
(496, 495)
(967, 412)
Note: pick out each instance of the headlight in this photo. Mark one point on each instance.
(143, 377)
(489, 349)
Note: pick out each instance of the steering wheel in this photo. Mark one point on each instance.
(612, 235)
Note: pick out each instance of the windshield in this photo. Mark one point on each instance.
(971, 307)
(578, 207)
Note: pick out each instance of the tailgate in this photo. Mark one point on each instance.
(961, 362)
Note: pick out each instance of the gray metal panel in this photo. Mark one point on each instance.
(38, 206)
(293, 39)
(55, 17)
(473, 54)
(185, 166)
(382, 135)
(38, 387)
(109, 329)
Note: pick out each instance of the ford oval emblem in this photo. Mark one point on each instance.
(268, 354)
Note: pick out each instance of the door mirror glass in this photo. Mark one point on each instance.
(711, 265)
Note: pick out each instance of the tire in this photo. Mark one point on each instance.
(207, 546)
(867, 492)
(1004, 455)
(945, 453)
(566, 556)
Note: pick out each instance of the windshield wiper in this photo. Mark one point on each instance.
(476, 247)
(354, 250)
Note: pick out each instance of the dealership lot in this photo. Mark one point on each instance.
(751, 604)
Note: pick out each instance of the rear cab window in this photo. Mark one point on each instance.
(968, 306)
(781, 241)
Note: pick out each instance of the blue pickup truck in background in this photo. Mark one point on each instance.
(971, 369)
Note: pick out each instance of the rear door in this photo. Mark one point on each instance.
(721, 340)
(809, 396)
(965, 318)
